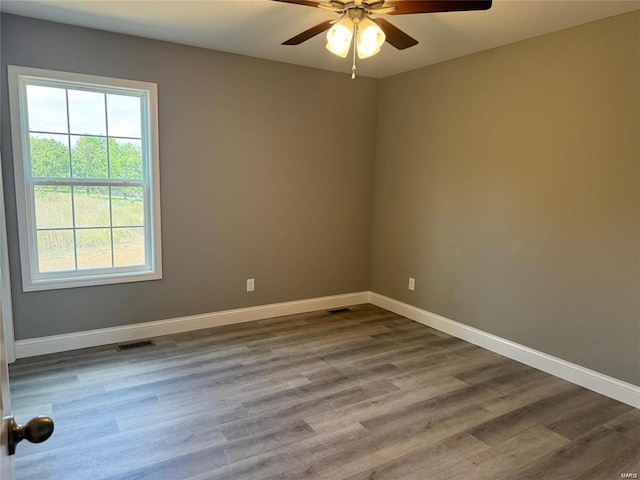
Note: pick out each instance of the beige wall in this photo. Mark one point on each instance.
(254, 181)
(507, 183)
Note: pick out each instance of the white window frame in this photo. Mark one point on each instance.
(32, 279)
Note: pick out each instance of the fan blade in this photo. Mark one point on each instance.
(404, 7)
(306, 3)
(330, 8)
(394, 35)
(381, 10)
(307, 34)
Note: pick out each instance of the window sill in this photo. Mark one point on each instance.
(89, 281)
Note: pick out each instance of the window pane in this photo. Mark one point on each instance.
(53, 207)
(127, 206)
(86, 163)
(123, 114)
(89, 157)
(87, 113)
(94, 248)
(47, 108)
(125, 158)
(49, 155)
(55, 250)
(92, 206)
(128, 246)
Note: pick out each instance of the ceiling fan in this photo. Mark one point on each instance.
(371, 32)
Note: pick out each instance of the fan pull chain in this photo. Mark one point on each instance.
(355, 37)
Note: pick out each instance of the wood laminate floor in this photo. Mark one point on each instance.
(365, 394)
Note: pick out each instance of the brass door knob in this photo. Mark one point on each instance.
(37, 430)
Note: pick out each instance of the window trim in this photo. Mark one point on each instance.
(32, 280)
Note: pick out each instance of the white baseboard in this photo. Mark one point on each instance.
(105, 336)
(598, 382)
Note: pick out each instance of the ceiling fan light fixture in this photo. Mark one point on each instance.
(339, 37)
(371, 34)
(370, 38)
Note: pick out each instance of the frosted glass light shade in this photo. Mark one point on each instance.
(339, 37)
(370, 38)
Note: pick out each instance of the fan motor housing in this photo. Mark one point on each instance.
(356, 14)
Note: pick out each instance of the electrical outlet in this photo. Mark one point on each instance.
(251, 284)
(412, 284)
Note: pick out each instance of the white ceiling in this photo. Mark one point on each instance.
(257, 27)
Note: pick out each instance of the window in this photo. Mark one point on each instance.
(85, 153)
